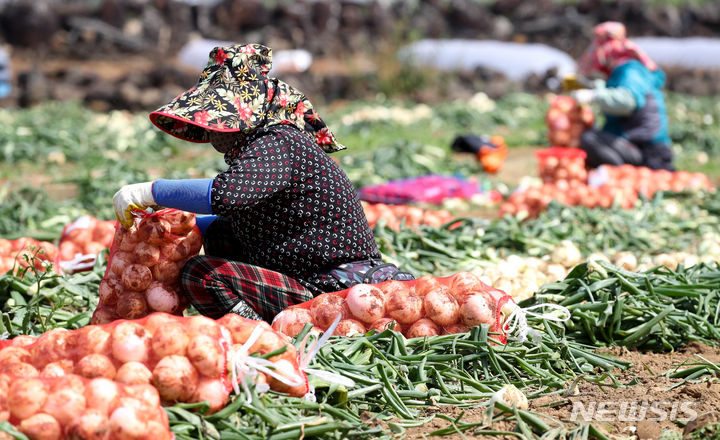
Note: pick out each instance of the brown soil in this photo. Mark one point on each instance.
(643, 382)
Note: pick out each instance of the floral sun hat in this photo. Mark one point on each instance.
(235, 95)
(610, 48)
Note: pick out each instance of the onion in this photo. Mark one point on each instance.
(57, 368)
(463, 283)
(147, 254)
(292, 320)
(175, 378)
(158, 431)
(136, 277)
(133, 373)
(92, 425)
(455, 328)
(126, 239)
(119, 261)
(23, 340)
(476, 310)
(51, 346)
(170, 339)
(267, 342)
(14, 354)
(350, 327)
(127, 422)
(509, 395)
(101, 394)
(181, 222)
(157, 320)
(95, 365)
(423, 327)
(103, 315)
(132, 305)
(65, 405)
(41, 427)
(206, 355)
(130, 342)
(241, 328)
(425, 284)
(154, 229)
(161, 299)
(288, 369)
(384, 324)
(26, 397)
(145, 393)
(194, 242)
(20, 369)
(441, 307)
(202, 325)
(166, 271)
(325, 308)
(94, 339)
(366, 302)
(213, 391)
(110, 289)
(403, 307)
(392, 286)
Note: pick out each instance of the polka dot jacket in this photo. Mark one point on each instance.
(292, 207)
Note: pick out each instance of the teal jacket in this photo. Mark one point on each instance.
(648, 122)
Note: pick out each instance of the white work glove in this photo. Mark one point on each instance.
(584, 96)
(137, 196)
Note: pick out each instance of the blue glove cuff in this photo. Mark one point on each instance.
(192, 195)
(203, 221)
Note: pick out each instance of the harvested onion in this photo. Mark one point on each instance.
(366, 302)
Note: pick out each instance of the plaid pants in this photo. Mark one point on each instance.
(218, 282)
(215, 287)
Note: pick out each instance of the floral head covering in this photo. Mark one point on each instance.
(235, 95)
(610, 48)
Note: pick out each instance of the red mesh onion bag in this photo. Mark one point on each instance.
(426, 306)
(187, 359)
(144, 266)
(20, 253)
(82, 240)
(74, 407)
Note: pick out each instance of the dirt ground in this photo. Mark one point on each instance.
(645, 383)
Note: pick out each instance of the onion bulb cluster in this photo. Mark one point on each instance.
(74, 407)
(21, 253)
(183, 359)
(566, 120)
(427, 306)
(144, 267)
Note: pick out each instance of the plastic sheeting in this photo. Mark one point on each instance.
(687, 52)
(514, 60)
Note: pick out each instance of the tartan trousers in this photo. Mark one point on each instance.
(216, 286)
(218, 282)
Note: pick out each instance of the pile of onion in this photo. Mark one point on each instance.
(647, 181)
(74, 407)
(566, 120)
(395, 216)
(186, 359)
(144, 267)
(558, 164)
(427, 306)
(533, 200)
(82, 240)
(20, 253)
